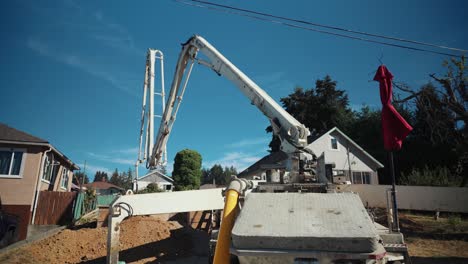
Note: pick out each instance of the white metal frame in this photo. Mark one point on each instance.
(146, 139)
(292, 133)
(156, 203)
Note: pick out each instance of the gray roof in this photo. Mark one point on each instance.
(273, 160)
(12, 134)
(155, 176)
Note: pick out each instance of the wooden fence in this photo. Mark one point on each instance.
(54, 208)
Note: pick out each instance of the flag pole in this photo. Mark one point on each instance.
(396, 225)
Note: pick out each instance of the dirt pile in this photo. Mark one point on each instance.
(142, 239)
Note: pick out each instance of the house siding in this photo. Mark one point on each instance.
(359, 161)
(20, 191)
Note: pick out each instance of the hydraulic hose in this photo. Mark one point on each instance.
(235, 188)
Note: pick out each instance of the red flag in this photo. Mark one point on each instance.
(394, 126)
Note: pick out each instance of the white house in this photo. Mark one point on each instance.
(345, 161)
(343, 155)
(163, 182)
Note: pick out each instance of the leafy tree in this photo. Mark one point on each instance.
(100, 176)
(320, 108)
(187, 170)
(80, 178)
(442, 117)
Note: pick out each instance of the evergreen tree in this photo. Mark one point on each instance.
(320, 109)
(80, 178)
(115, 178)
(217, 173)
(100, 176)
(187, 170)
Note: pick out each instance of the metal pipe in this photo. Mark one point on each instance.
(38, 184)
(395, 207)
(151, 103)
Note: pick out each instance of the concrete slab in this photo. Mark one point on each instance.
(305, 221)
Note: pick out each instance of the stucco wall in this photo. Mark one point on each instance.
(20, 191)
(446, 199)
(55, 184)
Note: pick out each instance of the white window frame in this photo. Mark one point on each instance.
(361, 176)
(331, 145)
(23, 161)
(52, 164)
(64, 177)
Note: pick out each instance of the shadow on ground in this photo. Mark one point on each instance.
(185, 245)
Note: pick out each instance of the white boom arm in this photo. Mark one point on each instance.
(292, 133)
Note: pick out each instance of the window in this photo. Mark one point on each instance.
(366, 176)
(357, 177)
(50, 168)
(361, 177)
(64, 182)
(333, 143)
(11, 161)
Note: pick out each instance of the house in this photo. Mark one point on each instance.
(29, 165)
(163, 182)
(345, 161)
(104, 188)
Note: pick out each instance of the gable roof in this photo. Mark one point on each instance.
(337, 130)
(101, 185)
(273, 160)
(154, 175)
(12, 134)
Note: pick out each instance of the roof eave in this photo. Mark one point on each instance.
(43, 144)
(379, 165)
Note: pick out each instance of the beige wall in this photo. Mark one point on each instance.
(55, 185)
(20, 191)
(446, 199)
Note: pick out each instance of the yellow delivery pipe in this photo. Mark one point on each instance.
(224, 238)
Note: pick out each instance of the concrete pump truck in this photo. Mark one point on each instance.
(298, 217)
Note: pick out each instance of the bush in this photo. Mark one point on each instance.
(151, 188)
(438, 176)
(454, 221)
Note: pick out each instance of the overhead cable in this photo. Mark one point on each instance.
(196, 3)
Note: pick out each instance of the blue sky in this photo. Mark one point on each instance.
(72, 71)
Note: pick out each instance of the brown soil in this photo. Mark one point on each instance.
(434, 242)
(142, 240)
(155, 240)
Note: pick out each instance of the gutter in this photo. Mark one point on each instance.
(39, 183)
(44, 144)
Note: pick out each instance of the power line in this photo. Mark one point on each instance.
(227, 9)
(329, 27)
